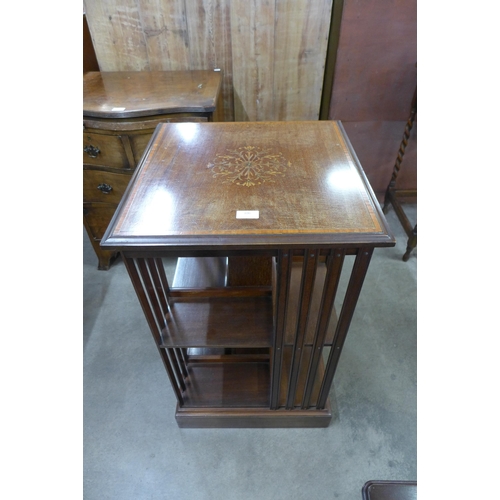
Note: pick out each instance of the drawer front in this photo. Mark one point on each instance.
(138, 142)
(98, 216)
(104, 187)
(104, 150)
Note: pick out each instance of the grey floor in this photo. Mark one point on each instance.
(133, 448)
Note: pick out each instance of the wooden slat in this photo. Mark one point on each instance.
(315, 305)
(159, 279)
(300, 44)
(350, 300)
(302, 379)
(160, 292)
(148, 313)
(186, 294)
(163, 276)
(150, 279)
(181, 362)
(230, 358)
(306, 293)
(334, 268)
(283, 273)
(150, 293)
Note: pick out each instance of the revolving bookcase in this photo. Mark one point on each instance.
(262, 218)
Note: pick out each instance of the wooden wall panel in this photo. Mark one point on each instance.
(252, 35)
(118, 36)
(272, 52)
(165, 29)
(301, 39)
(209, 29)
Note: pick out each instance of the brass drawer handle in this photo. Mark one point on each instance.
(92, 151)
(105, 188)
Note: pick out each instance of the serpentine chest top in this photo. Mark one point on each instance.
(248, 185)
(120, 113)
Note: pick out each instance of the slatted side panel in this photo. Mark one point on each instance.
(151, 286)
(334, 264)
(296, 375)
(350, 300)
(272, 52)
(299, 380)
(305, 297)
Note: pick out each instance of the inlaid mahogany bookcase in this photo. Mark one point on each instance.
(262, 217)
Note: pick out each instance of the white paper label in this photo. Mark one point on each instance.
(247, 214)
(118, 109)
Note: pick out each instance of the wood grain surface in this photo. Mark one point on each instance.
(301, 177)
(271, 53)
(148, 93)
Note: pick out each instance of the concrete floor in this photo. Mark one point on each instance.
(134, 450)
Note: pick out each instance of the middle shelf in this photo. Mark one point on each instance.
(242, 377)
(204, 312)
(219, 322)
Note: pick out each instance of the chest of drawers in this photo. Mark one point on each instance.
(120, 113)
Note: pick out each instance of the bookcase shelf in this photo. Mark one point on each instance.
(228, 384)
(219, 322)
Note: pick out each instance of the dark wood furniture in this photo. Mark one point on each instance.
(120, 113)
(389, 490)
(89, 57)
(394, 196)
(262, 217)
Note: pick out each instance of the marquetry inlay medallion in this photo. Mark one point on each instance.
(248, 166)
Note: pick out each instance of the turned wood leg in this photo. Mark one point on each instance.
(412, 243)
(387, 198)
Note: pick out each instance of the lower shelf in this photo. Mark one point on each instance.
(223, 385)
(231, 388)
(203, 418)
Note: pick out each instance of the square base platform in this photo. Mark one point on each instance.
(199, 418)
